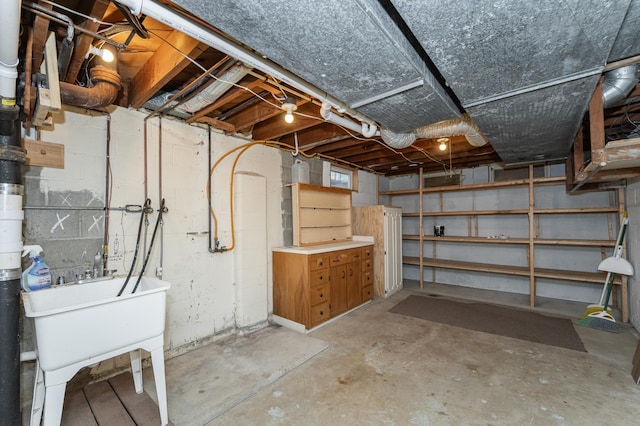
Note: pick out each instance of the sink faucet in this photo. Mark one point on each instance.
(88, 278)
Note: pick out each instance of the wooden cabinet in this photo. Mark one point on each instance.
(366, 274)
(309, 289)
(385, 225)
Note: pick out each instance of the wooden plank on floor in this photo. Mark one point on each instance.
(76, 411)
(142, 409)
(106, 407)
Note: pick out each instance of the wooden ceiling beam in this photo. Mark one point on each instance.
(40, 34)
(477, 156)
(431, 166)
(257, 113)
(596, 118)
(273, 128)
(221, 125)
(83, 41)
(322, 133)
(163, 66)
(345, 145)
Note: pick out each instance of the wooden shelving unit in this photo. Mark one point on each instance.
(615, 210)
(320, 214)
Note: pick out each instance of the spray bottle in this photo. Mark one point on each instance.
(37, 276)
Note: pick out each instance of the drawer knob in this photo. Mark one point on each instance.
(321, 312)
(321, 295)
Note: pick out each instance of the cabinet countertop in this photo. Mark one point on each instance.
(358, 241)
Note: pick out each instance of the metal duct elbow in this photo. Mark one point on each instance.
(106, 85)
(462, 126)
(618, 83)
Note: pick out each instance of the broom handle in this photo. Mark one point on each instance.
(609, 290)
(617, 252)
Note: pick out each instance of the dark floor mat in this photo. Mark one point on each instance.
(520, 324)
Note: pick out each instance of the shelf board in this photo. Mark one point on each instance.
(514, 212)
(558, 180)
(577, 243)
(577, 210)
(323, 226)
(455, 239)
(400, 192)
(558, 274)
(473, 213)
(587, 277)
(468, 266)
(307, 207)
(536, 241)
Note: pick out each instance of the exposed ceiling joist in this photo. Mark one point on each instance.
(84, 41)
(165, 64)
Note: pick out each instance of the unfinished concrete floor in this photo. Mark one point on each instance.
(384, 368)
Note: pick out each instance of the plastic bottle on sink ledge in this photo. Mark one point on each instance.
(37, 276)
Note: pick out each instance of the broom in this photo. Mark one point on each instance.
(617, 253)
(602, 319)
(600, 316)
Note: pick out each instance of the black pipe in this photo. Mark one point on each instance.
(64, 58)
(10, 352)
(12, 156)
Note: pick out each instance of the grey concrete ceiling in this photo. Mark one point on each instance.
(523, 70)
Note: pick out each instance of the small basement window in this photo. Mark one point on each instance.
(339, 177)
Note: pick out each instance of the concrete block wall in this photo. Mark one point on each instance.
(366, 195)
(203, 300)
(64, 207)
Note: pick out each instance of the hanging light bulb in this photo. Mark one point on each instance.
(289, 105)
(443, 144)
(105, 54)
(288, 117)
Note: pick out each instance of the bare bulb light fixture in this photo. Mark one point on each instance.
(443, 143)
(289, 105)
(105, 54)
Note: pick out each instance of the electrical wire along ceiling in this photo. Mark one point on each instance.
(372, 83)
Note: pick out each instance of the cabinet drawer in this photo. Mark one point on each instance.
(354, 255)
(367, 293)
(367, 264)
(367, 278)
(319, 313)
(318, 277)
(318, 261)
(340, 257)
(319, 294)
(367, 253)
